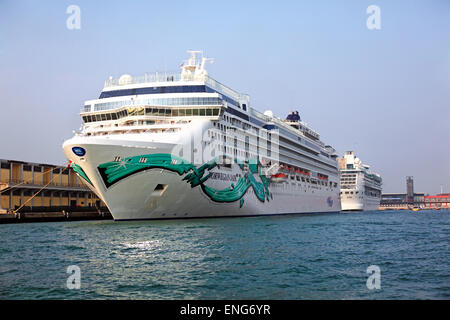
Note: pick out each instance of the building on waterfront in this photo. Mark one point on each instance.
(439, 201)
(48, 186)
(401, 200)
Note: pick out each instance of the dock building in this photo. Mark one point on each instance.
(37, 186)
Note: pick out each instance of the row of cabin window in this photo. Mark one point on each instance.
(166, 112)
(189, 101)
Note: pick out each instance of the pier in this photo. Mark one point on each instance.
(71, 215)
(32, 192)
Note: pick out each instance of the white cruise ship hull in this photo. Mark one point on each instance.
(163, 193)
(355, 203)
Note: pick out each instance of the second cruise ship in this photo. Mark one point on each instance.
(184, 145)
(360, 188)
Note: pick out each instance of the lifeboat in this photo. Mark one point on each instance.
(279, 177)
(283, 169)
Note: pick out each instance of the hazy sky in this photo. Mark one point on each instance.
(383, 93)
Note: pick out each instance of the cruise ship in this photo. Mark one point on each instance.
(183, 145)
(360, 188)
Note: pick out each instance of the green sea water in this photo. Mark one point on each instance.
(320, 256)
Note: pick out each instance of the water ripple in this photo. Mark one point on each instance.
(321, 256)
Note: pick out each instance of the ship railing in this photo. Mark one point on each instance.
(285, 126)
(214, 84)
(152, 77)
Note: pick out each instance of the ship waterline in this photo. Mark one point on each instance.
(159, 158)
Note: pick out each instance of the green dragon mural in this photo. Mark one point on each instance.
(80, 171)
(115, 171)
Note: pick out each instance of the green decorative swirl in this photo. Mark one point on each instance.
(113, 172)
(81, 172)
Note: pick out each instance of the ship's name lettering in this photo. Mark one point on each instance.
(223, 176)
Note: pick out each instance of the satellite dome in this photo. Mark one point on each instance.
(125, 79)
(268, 113)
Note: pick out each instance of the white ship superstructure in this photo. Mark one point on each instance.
(183, 145)
(360, 188)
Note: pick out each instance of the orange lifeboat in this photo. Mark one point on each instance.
(279, 177)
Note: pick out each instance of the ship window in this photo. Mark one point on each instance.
(202, 112)
(216, 112)
(103, 117)
(108, 116)
(114, 116)
(98, 118)
(209, 112)
(188, 112)
(159, 190)
(182, 112)
(195, 112)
